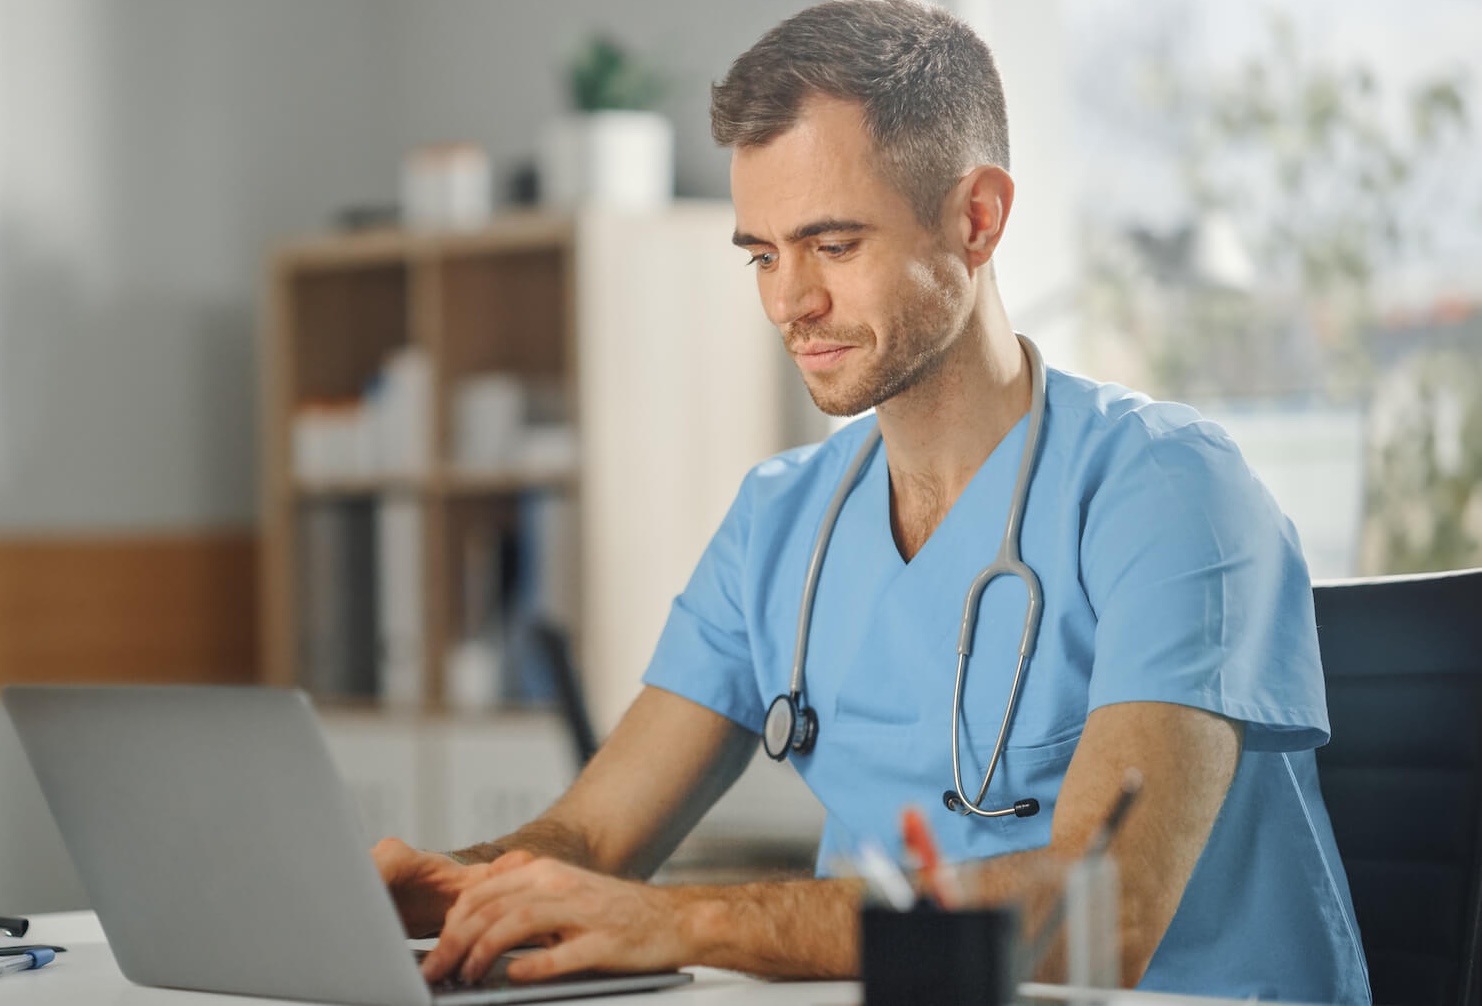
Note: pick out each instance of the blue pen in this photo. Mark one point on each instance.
(38, 958)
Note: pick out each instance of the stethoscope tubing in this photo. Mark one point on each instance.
(815, 562)
(1008, 562)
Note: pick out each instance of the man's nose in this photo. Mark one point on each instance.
(796, 293)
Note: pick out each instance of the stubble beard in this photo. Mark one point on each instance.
(917, 352)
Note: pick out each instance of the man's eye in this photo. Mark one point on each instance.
(763, 259)
(837, 249)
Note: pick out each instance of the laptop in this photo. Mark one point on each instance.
(222, 852)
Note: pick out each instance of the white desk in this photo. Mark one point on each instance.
(86, 973)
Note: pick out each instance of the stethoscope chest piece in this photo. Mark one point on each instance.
(790, 726)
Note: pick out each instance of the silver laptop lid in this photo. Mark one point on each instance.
(216, 841)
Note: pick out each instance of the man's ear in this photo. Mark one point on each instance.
(983, 198)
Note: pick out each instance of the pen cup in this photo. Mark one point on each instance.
(926, 955)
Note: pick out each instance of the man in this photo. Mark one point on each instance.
(870, 183)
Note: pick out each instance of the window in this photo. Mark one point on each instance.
(1278, 220)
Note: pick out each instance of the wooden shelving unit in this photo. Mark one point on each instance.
(500, 300)
(648, 328)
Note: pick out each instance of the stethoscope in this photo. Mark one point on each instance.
(792, 725)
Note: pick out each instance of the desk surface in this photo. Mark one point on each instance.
(86, 973)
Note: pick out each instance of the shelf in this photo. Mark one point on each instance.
(511, 232)
(384, 485)
(346, 709)
(369, 249)
(495, 484)
(523, 231)
(442, 484)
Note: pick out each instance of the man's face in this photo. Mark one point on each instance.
(868, 301)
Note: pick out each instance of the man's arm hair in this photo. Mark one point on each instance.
(666, 763)
(788, 929)
(1187, 759)
(539, 837)
(670, 759)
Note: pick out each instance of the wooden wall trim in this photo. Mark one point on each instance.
(129, 609)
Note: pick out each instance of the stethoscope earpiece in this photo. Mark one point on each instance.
(955, 803)
(1021, 808)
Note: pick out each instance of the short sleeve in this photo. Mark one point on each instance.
(1200, 591)
(704, 652)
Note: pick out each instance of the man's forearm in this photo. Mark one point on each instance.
(541, 837)
(780, 929)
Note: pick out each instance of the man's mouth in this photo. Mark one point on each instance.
(818, 356)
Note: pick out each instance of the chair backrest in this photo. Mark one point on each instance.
(1402, 657)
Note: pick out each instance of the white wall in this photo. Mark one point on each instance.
(1038, 262)
(491, 72)
(150, 151)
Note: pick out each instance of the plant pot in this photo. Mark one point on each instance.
(617, 159)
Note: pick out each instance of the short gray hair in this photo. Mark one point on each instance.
(932, 98)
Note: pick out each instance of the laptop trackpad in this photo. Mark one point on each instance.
(499, 989)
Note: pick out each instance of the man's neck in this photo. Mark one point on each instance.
(938, 433)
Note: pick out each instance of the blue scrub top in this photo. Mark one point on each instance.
(1169, 575)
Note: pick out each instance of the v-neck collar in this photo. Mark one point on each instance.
(998, 469)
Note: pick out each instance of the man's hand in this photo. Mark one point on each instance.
(585, 920)
(662, 768)
(424, 885)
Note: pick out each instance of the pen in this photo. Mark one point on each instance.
(38, 958)
(923, 848)
(1131, 786)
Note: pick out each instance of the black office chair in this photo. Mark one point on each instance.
(553, 645)
(1402, 657)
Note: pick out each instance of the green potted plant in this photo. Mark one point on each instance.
(614, 149)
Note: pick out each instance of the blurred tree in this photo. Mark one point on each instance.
(1424, 496)
(1305, 186)
(1323, 182)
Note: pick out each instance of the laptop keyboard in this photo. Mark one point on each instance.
(496, 978)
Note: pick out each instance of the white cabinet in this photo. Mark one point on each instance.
(381, 758)
(441, 782)
(500, 776)
(682, 382)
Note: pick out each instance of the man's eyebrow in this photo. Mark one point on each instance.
(827, 226)
(817, 227)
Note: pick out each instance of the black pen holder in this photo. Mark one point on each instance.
(927, 955)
